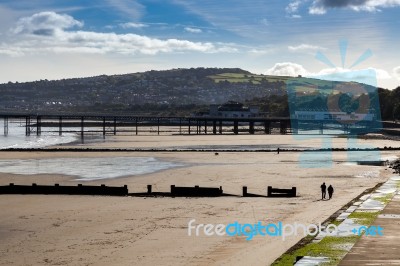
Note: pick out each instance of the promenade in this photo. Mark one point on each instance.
(379, 250)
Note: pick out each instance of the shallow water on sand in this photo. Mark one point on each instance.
(87, 169)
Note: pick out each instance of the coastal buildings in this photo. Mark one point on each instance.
(326, 115)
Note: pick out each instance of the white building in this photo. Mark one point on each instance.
(233, 110)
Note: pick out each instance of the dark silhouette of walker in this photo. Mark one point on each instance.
(330, 191)
(323, 190)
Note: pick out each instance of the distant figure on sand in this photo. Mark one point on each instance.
(330, 191)
(278, 150)
(323, 190)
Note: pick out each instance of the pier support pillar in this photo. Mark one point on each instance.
(115, 126)
(251, 127)
(27, 126)
(60, 126)
(267, 127)
(295, 126)
(5, 126)
(82, 127)
(346, 129)
(189, 126)
(38, 126)
(236, 127)
(283, 127)
(205, 126)
(136, 125)
(220, 127)
(104, 127)
(158, 126)
(321, 128)
(214, 127)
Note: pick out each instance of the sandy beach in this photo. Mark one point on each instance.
(95, 230)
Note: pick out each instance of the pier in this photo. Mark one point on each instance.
(98, 124)
(113, 124)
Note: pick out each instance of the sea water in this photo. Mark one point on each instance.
(16, 137)
(82, 168)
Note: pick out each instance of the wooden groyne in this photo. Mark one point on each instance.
(277, 192)
(196, 191)
(68, 190)
(103, 190)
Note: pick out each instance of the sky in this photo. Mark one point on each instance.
(56, 39)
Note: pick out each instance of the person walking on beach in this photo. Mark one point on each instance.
(278, 150)
(330, 191)
(323, 190)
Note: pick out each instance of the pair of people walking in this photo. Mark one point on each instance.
(323, 191)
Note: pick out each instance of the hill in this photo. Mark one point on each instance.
(174, 92)
(148, 92)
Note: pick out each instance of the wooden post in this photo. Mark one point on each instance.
(220, 126)
(136, 125)
(269, 192)
(293, 191)
(158, 126)
(115, 126)
(148, 189)
(244, 191)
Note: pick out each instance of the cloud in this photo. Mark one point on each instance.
(241, 17)
(286, 69)
(193, 30)
(371, 76)
(132, 25)
(305, 47)
(396, 72)
(45, 23)
(319, 7)
(130, 8)
(367, 76)
(381, 74)
(378, 73)
(31, 37)
(292, 9)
